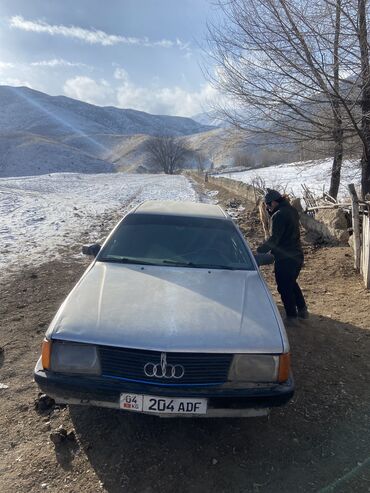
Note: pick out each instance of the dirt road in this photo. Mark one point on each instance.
(320, 442)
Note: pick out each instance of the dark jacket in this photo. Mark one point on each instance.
(284, 242)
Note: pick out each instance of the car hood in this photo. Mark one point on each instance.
(171, 309)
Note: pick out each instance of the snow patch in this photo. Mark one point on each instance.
(43, 216)
(290, 177)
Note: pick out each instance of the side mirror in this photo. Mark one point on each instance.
(264, 258)
(91, 250)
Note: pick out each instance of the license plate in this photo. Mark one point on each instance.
(164, 405)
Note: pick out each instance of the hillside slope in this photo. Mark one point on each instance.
(41, 133)
(23, 154)
(36, 112)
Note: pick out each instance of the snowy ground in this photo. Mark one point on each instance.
(290, 177)
(42, 215)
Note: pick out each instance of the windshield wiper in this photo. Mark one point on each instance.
(179, 263)
(127, 260)
(175, 263)
(197, 266)
(214, 266)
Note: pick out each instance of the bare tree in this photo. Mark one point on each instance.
(357, 68)
(362, 33)
(200, 160)
(284, 64)
(168, 152)
(336, 108)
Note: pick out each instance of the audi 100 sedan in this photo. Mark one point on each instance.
(172, 318)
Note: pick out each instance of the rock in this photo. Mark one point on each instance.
(47, 426)
(44, 403)
(233, 203)
(328, 226)
(336, 222)
(351, 241)
(62, 430)
(71, 436)
(214, 462)
(3, 386)
(58, 436)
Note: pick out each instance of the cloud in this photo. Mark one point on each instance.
(89, 90)
(125, 94)
(161, 100)
(121, 74)
(56, 62)
(165, 100)
(13, 81)
(5, 65)
(18, 77)
(90, 36)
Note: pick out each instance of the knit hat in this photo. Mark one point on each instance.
(272, 195)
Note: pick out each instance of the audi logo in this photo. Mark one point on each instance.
(163, 369)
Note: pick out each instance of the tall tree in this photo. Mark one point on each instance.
(362, 33)
(336, 107)
(280, 61)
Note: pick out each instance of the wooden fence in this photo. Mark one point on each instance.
(361, 242)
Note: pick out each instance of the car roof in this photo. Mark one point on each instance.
(173, 208)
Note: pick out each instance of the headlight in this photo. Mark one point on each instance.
(70, 357)
(254, 368)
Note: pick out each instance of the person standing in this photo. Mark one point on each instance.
(285, 245)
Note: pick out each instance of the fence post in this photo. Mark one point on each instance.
(355, 225)
(366, 250)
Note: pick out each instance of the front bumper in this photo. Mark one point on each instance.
(103, 392)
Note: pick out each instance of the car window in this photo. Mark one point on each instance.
(175, 240)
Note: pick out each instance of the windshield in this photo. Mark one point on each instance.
(177, 241)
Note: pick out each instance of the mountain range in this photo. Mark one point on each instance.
(43, 134)
(46, 134)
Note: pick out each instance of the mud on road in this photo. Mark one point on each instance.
(320, 442)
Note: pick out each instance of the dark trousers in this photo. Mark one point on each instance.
(286, 274)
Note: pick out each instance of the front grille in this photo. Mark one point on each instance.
(190, 368)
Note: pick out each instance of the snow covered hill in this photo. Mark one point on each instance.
(36, 112)
(210, 118)
(42, 134)
(30, 154)
(290, 177)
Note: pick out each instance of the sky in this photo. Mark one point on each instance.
(140, 54)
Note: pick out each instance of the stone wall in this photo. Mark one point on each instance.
(328, 225)
(235, 186)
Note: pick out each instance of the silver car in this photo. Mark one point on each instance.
(171, 318)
